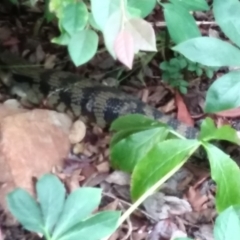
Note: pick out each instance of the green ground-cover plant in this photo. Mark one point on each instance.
(60, 217)
(223, 94)
(153, 152)
(175, 70)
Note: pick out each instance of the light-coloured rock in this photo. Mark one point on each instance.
(9, 111)
(12, 103)
(78, 132)
(32, 143)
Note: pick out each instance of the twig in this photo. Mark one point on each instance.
(163, 24)
(130, 228)
(129, 204)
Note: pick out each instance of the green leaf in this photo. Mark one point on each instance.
(133, 12)
(166, 76)
(14, 2)
(95, 227)
(51, 197)
(130, 124)
(226, 173)
(145, 6)
(83, 46)
(227, 224)
(163, 65)
(174, 62)
(180, 23)
(209, 73)
(183, 90)
(25, 209)
(183, 63)
(33, 2)
(227, 14)
(79, 205)
(47, 14)
(102, 10)
(63, 39)
(57, 7)
(75, 17)
(133, 121)
(223, 94)
(210, 132)
(158, 162)
(205, 50)
(126, 153)
(193, 5)
(199, 72)
(93, 22)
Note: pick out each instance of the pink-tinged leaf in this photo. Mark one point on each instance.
(235, 112)
(124, 48)
(142, 33)
(111, 31)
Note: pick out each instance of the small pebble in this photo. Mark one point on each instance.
(78, 148)
(77, 132)
(12, 103)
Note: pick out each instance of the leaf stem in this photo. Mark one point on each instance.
(124, 18)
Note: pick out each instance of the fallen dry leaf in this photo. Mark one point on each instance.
(177, 206)
(163, 229)
(40, 54)
(122, 192)
(183, 114)
(170, 106)
(112, 206)
(145, 95)
(196, 199)
(74, 180)
(119, 178)
(89, 171)
(95, 179)
(50, 61)
(205, 216)
(205, 231)
(159, 92)
(103, 167)
(229, 113)
(178, 183)
(159, 206)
